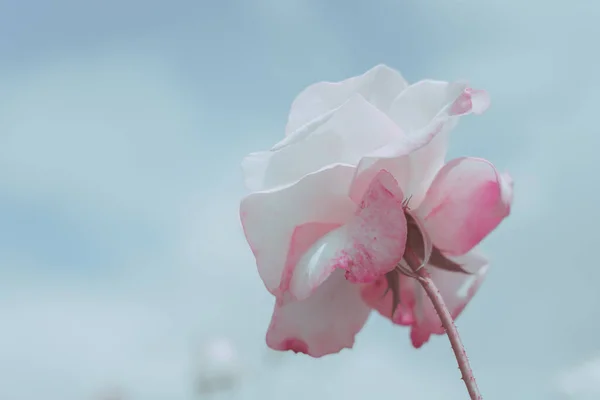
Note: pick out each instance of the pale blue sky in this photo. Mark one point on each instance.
(122, 125)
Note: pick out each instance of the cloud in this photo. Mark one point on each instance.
(99, 144)
(582, 382)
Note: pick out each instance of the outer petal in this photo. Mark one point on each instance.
(440, 104)
(366, 247)
(344, 136)
(466, 201)
(379, 86)
(324, 323)
(456, 289)
(270, 218)
(417, 106)
(426, 112)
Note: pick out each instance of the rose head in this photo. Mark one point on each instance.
(356, 197)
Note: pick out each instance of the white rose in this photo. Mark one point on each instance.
(335, 204)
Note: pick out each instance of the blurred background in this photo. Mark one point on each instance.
(124, 274)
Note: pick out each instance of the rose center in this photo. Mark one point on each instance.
(419, 252)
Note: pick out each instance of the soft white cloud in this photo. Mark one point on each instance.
(582, 382)
(71, 341)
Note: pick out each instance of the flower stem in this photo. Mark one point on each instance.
(447, 321)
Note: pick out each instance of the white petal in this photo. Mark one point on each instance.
(344, 137)
(270, 217)
(418, 106)
(426, 112)
(379, 86)
(324, 323)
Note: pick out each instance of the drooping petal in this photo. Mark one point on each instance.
(369, 245)
(426, 112)
(466, 201)
(414, 307)
(344, 137)
(456, 289)
(270, 218)
(379, 86)
(380, 296)
(324, 323)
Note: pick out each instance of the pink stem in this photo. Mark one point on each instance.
(447, 321)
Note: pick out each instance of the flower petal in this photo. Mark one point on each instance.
(344, 137)
(466, 201)
(414, 307)
(426, 112)
(425, 101)
(379, 86)
(270, 217)
(366, 247)
(471, 100)
(456, 289)
(380, 296)
(324, 323)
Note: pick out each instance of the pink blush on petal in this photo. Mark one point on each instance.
(358, 264)
(461, 105)
(378, 232)
(470, 100)
(323, 323)
(466, 201)
(419, 337)
(294, 344)
(478, 225)
(403, 318)
(377, 296)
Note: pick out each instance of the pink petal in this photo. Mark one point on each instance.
(270, 218)
(466, 201)
(379, 297)
(457, 289)
(324, 323)
(379, 86)
(415, 308)
(366, 247)
(343, 137)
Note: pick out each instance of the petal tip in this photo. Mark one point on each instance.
(418, 338)
(480, 101)
(294, 344)
(471, 101)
